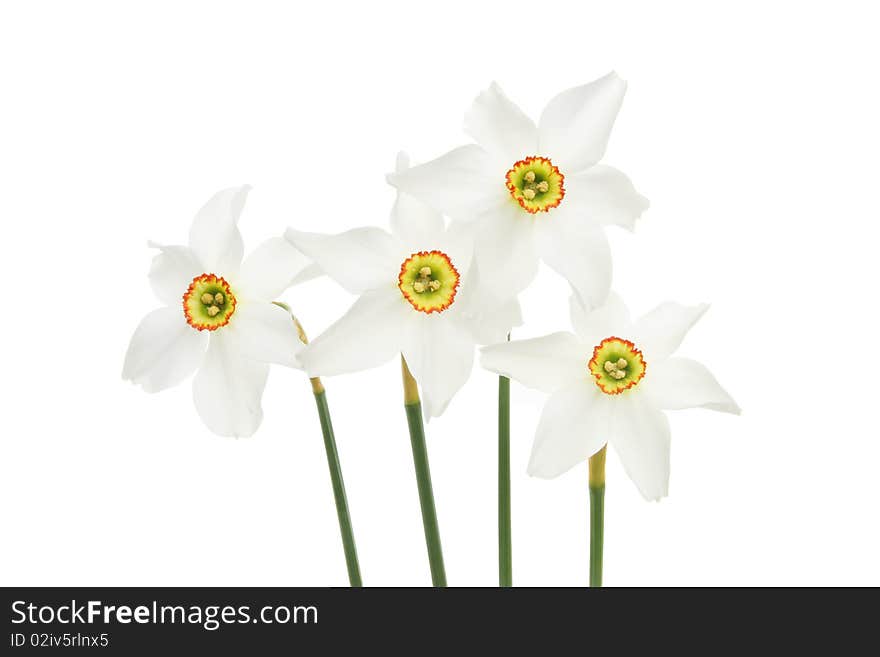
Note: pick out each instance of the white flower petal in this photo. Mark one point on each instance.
(506, 249)
(579, 252)
(605, 196)
(359, 259)
(547, 363)
(676, 383)
(306, 274)
(660, 332)
(369, 334)
(569, 430)
(488, 315)
(264, 332)
(640, 436)
(228, 389)
(575, 126)
(171, 272)
(412, 221)
(610, 319)
(494, 323)
(164, 350)
(272, 267)
(463, 183)
(440, 356)
(214, 236)
(501, 127)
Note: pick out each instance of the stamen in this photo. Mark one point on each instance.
(536, 184)
(429, 281)
(617, 365)
(208, 303)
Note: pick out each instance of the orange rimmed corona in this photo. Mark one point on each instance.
(428, 281)
(536, 184)
(208, 302)
(617, 365)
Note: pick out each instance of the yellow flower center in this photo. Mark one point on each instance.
(208, 303)
(536, 184)
(429, 281)
(617, 365)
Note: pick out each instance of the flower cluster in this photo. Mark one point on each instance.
(466, 235)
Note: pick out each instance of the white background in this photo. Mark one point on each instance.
(753, 129)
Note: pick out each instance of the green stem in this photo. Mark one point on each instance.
(597, 515)
(345, 529)
(413, 406)
(597, 530)
(505, 548)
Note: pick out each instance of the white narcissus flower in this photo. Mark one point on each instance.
(610, 383)
(536, 192)
(418, 294)
(218, 318)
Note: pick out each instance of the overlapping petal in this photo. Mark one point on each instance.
(505, 249)
(578, 250)
(463, 183)
(214, 236)
(500, 127)
(264, 332)
(359, 260)
(478, 300)
(271, 268)
(440, 356)
(163, 351)
(575, 126)
(369, 334)
(493, 323)
(547, 363)
(610, 319)
(228, 389)
(412, 221)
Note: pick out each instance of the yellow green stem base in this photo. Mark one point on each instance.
(597, 515)
(413, 406)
